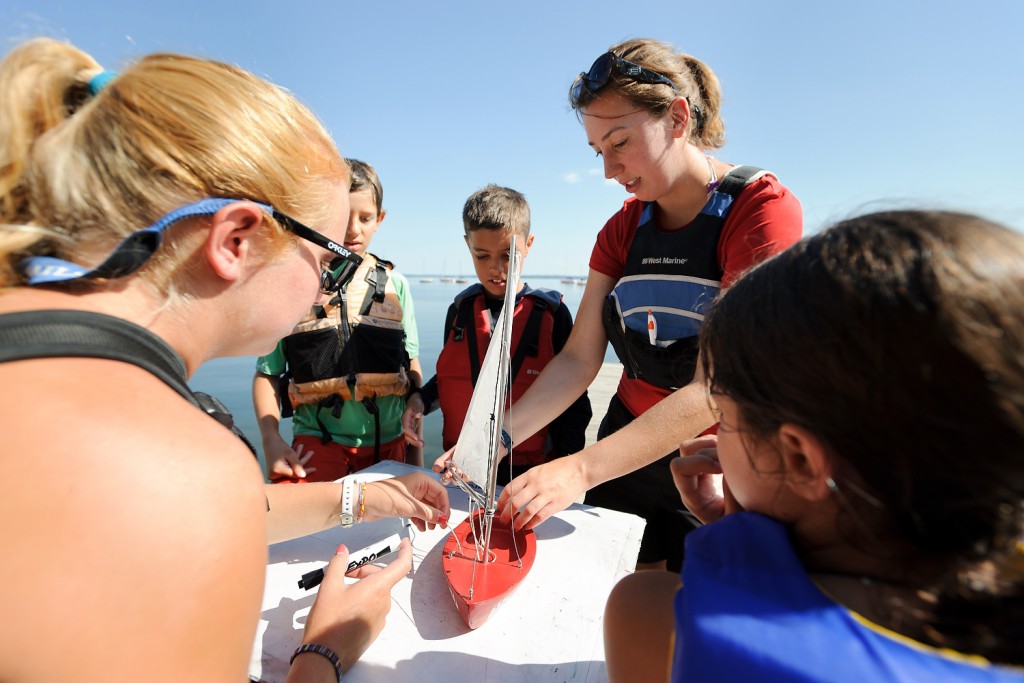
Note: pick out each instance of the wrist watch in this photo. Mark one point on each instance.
(348, 498)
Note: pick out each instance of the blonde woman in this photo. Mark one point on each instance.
(163, 209)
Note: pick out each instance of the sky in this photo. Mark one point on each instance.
(855, 106)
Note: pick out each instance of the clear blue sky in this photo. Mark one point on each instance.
(855, 105)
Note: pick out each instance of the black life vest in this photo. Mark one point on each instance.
(351, 351)
(670, 277)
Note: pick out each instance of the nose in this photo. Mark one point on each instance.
(611, 167)
(352, 229)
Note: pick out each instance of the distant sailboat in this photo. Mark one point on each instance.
(483, 559)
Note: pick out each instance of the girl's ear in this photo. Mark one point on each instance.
(229, 240)
(679, 110)
(805, 460)
(380, 216)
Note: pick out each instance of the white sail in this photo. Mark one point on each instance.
(476, 450)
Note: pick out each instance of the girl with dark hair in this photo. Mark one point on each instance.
(870, 385)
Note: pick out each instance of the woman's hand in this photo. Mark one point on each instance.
(541, 492)
(412, 418)
(285, 463)
(348, 617)
(696, 473)
(417, 496)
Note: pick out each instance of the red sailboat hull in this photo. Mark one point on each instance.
(479, 587)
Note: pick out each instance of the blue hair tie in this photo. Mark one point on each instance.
(99, 81)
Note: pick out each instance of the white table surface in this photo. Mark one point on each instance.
(549, 629)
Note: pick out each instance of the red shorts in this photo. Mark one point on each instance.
(334, 460)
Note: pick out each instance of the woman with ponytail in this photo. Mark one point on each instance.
(693, 224)
(145, 220)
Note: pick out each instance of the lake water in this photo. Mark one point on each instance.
(230, 379)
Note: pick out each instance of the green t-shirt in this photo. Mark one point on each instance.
(355, 426)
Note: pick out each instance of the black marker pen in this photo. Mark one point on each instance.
(357, 559)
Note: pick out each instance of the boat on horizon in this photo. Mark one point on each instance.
(483, 559)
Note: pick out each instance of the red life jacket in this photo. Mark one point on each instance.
(458, 364)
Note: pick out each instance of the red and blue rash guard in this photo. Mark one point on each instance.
(748, 611)
(763, 220)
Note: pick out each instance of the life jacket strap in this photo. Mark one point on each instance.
(370, 403)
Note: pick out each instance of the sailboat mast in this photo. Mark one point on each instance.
(497, 420)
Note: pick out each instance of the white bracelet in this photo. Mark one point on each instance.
(348, 500)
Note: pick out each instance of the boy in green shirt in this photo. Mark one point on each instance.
(349, 365)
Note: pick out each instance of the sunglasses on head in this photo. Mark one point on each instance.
(135, 249)
(601, 72)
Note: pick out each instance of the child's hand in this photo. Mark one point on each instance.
(696, 473)
(285, 463)
(412, 418)
(441, 463)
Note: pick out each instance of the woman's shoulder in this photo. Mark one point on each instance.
(767, 189)
(138, 493)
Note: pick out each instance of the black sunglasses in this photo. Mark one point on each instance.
(603, 68)
(135, 249)
(341, 268)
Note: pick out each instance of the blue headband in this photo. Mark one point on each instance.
(100, 80)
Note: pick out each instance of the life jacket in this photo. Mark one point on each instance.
(670, 277)
(84, 334)
(458, 364)
(353, 347)
(748, 611)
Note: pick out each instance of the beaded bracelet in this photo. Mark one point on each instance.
(362, 502)
(321, 650)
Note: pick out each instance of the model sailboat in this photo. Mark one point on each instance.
(483, 559)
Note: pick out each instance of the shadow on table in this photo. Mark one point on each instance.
(458, 666)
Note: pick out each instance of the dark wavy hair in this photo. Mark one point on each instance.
(898, 339)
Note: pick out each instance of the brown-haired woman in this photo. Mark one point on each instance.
(693, 225)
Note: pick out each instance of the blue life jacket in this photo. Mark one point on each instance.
(675, 276)
(748, 611)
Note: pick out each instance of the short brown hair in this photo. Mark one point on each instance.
(497, 208)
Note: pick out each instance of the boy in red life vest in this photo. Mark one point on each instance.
(541, 326)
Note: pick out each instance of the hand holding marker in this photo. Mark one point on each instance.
(370, 553)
